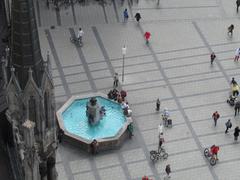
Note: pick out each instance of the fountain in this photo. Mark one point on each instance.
(93, 116)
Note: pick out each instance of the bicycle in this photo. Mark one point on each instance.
(76, 41)
(160, 154)
(212, 158)
(167, 121)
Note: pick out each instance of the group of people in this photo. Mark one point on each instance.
(137, 16)
(117, 96)
(233, 99)
(161, 139)
(228, 125)
(215, 116)
(167, 170)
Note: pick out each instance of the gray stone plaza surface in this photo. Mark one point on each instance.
(175, 67)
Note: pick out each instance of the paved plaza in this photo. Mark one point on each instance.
(175, 67)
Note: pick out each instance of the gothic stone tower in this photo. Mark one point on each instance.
(30, 98)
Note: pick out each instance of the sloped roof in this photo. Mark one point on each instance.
(3, 25)
(26, 52)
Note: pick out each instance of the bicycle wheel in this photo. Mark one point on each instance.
(153, 152)
(213, 161)
(206, 152)
(153, 156)
(165, 155)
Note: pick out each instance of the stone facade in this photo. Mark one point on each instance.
(30, 99)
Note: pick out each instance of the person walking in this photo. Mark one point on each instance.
(161, 141)
(228, 125)
(237, 107)
(80, 36)
(147, 36)
(235, 90)
(233, 81)
(212, 57)
(158, 104)
(138, 16)
(125, 15)
(146, 178)
(94, 146)
(215, 117)
(238, 4)
(237, 54)
(236, 133)
(168, 170)
(160, 130)
(230, 30)
(130, 130)
(60, 135)
(116, 80)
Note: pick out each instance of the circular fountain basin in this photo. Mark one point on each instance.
(110, 131)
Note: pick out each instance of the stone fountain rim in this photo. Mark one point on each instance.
(79, 138)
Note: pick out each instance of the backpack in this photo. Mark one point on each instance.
(229, 124)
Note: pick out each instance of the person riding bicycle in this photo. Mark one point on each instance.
(166, 113)
(80, 35)
(161, 141)
(214, 151)
(165, 116)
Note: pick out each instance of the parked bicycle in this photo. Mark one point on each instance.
(160, 154)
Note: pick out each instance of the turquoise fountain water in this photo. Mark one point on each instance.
(76, 121)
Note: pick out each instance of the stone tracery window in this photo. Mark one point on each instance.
(32, 112)
(46, 106)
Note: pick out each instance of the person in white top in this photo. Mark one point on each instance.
(237, 54)
(160, 130)
(80, 35)
(166, 113)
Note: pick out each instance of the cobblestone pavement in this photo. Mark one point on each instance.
(174, 67)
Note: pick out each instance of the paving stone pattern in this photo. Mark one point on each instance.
(175, 67)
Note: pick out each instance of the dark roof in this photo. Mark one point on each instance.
(3, 31)
(5, 173)
(25, 46)
(3, 102)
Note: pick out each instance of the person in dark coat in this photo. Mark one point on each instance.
(228, 125)
(125, 15)
(238, 4)
(138, 16)
(60, 135)
(237, 107)
(236, 133)
(230, 29)
(212, 57)
(215, 117)
(158, 104)
(168, 170)
(94, 146)
(233, 81)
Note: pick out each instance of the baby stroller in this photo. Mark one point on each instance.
(231, 100)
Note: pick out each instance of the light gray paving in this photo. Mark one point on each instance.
(175, 67)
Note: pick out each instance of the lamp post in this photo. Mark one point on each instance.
(124, 51)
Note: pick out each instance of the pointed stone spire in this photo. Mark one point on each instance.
(26, 51)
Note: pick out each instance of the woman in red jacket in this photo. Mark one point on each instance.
(214, 151)
(147, 36)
